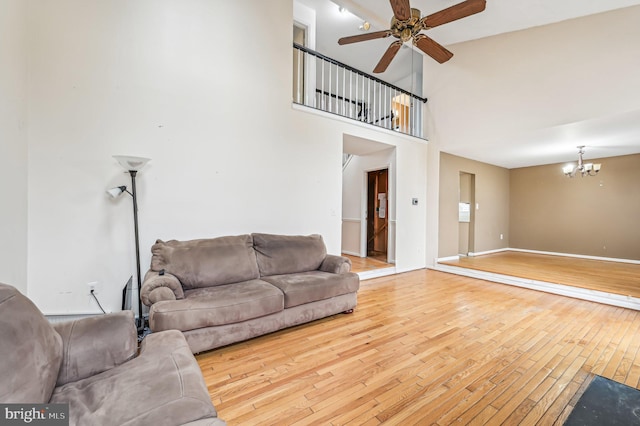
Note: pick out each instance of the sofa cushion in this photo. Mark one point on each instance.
(311, 286)
(30, 350)
(162, 386)
(288, 254)
(207, 262)
(219, 305)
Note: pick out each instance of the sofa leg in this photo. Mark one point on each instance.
(348, 311)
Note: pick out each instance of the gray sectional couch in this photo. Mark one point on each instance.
(224, 290)
(93, 365)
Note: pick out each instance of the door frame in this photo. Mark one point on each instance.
(471, 195)
(364, 200)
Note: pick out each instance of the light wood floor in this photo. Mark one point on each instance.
(610, 277)
(428, 348)
(362, 264)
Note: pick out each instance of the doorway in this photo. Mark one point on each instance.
(377, 214)
(299, 66)
(466, 214)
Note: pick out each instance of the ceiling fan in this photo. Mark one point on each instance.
(406, 24)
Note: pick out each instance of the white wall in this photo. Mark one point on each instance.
(230, 155)
(13, 144)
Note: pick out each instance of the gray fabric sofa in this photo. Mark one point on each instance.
(92, 364)
(224, 290)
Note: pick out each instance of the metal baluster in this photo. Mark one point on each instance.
(360, 106)
(376, 111)
(350, 98)
(298, 51)
(389, 112)
(365, 100)
(337, 90)
(418, 118)
(414, 116)
(411, 116)
(330, 90)
(344, 95)
(306, 70)
(322, 95)
(372, 118)
(393, 95)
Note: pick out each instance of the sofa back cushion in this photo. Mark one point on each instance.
(207, 262)
(288, 254)
(30, 350)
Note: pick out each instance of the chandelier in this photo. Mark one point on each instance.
(585, 169)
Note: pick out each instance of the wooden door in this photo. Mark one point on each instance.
(377, 213)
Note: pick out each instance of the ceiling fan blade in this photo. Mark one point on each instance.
(388, 57)
(453, 13)
(401, 9)
(431, 48)
(364, 37)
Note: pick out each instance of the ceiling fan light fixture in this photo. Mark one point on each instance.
(366, 26)
(407, 23)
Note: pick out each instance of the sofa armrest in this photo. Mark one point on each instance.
(158, 287)
(95, 344)
(336, 264)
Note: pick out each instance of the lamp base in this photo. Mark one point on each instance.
(143, 332)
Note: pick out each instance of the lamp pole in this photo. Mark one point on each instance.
(133, 165)
(133, 174)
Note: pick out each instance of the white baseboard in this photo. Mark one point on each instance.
(560, 289)
(375, 273)
(579, 256)
(480, 253)
(447, 259)
(550, 253)
(351, 219)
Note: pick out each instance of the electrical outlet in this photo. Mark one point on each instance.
(93, 286)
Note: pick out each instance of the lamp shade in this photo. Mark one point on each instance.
(130, 163)
(117, 191)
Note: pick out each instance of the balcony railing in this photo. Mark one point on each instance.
(323, 83)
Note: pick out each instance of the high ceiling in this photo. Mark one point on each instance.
(500, 16)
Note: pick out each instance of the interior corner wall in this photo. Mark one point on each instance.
(13, 144)
(492, 205)
(432, 199)
(594, 216)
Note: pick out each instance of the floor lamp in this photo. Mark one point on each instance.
(132, 165)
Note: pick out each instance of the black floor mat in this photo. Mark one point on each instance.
(604, 403)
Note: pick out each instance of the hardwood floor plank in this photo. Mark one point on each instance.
(361, 264)
(608, 276)
(426, 347)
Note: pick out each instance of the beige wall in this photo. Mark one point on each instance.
(491, 196)
(596, 216)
